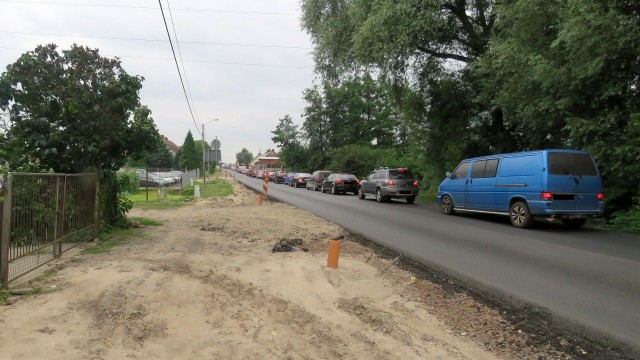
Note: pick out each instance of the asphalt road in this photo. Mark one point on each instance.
(587, 276)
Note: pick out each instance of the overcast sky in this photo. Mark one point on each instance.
(247, 61)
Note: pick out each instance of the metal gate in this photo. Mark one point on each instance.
(43, 216)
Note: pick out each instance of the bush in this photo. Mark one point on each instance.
(127, 181)
(627, 220)
(362, 159)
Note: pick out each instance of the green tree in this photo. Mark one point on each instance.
(71, 111)
(362, 159)
(156, 154)
(189, 157)
(567, 75)
(244, 157)
(316, 129)
(415, 46)
(288, 139)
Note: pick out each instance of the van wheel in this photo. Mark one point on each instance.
(446, 205)
(360, 194)
(520, 216)
(411, 199)
(574, 223)
(333, 190)
(379, 197)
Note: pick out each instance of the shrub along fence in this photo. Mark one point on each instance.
(44, 215)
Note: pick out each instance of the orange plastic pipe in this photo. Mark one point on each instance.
(334, 254)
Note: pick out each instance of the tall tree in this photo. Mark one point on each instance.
(244, 157)
(393, 33)
(71, 111)
(189, 158)
(156, 154)
(316, 129)
(567, 74)
(288, 139)
(416, 45)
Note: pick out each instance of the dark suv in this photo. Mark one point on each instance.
(385, 183)
(316, 179)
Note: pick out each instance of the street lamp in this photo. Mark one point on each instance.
(204, 179)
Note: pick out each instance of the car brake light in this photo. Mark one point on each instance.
(600, 196)
(400, 169)
(416, 183)
(339, 181)
(546, 196)
(357, 181)
(388, 182)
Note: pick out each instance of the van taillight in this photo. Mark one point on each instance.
(416, 183)
(546, 196)
(338, 181)
(357, 181)
(600, 196)
(388, 182)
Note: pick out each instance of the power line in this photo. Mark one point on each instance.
(184, 70)
(153, 8)
(178, 67)
(194, 61)
(156, 40)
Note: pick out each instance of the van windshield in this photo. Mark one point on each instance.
(571, 164)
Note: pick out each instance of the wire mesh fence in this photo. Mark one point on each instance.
(43, 216)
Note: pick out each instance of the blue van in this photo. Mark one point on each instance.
(563, 184)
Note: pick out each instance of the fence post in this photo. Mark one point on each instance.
(58, 230)
(6, 234)
(96, 210)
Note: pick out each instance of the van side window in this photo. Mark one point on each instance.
(520, 165)
(461, 171)
(477, 171)
(491, 168)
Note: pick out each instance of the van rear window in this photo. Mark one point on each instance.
(571, 164)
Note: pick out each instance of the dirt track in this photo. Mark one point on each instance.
(206, 285)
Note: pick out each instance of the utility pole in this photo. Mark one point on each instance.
(204, 178)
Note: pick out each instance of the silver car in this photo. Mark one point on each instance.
(390, 183)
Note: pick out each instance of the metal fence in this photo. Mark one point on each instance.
(43, 216)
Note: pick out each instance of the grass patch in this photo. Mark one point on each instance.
(5, 294)
(145, 221)
(427, 196)
(180, 197)
(50, 273)
(110, 238)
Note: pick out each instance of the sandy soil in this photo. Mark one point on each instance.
(207, 285)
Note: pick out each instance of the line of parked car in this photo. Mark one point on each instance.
(383, 183)
(552, 184)
(158, 178)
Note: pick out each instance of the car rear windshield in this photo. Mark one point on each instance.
(400, 174)
(347, 177)
(303, 175)
(571, 164)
